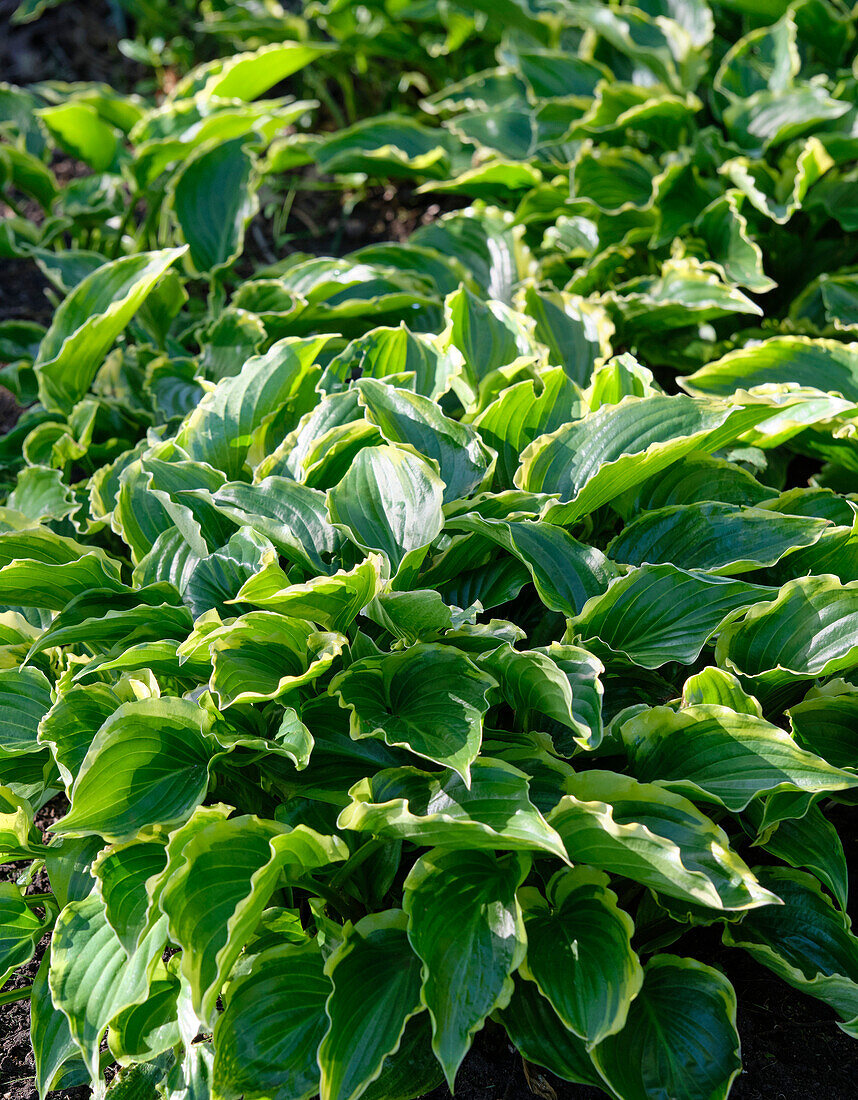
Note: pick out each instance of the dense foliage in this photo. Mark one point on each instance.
(411, 651)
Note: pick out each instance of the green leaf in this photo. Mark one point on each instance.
(565, 572)
(77, 128)
(479, 950)
(376, 990)
(720, 538)
(680, 1035)
(147, 765)
(576, 333)
(809, 842)
(594, 460)
(544, 684)
(215, 893)
(50, 1036)
(711, 752)
(92, 979)
(806, 941)
(25, 698)
(542, 1037)
(220, 430)
(658, 613)
(389, 501)
(332, 602)
(429, 699)
(826, 723)
(386, 146)
(40, 493)
(89, 320)
(213, 198)
(245, 76)
(293, 516)
(495, 812)
(719, 688)
(654, 837)
(39, 568)
(416, 422)
(823, 364)
(141, 1033)
(808, 631)
(20, 929)
(266, 1039)
(217, 579)
(579, 953)
(122, 871)
(263, 655)
(524, 411)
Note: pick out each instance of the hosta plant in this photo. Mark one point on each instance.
(446, 632)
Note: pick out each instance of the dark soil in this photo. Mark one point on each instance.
(76, 41)
(22, 293)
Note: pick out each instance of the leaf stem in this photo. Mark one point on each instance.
(12, 995)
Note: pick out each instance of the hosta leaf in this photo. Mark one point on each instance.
(565, 572)
(696, 478)
(429, 699)
(808, 631)
(246, 76)
(826, 723)
(806, 941)
(824, 364)
(388, 145)
(213, 198)
(711, 752)
(524, 411)
(542, 1037)
(18, 837)
(89, 320)
(41, 569)
(413, 421)
(580, 956)
(25, 698)
(222, 881)
(420, 614)
(576, 333)
(273, 1021)
(332, 602)
(654, 837)
(262, 655)
(215, 580)
(594, 460)
(809, 842)
(147, 765)
(389, 501)
(536, 685)
(495, 812)
(376, 990)
(292, 516)
(77, 128)
(719, 538)
(102, 618)
(220, 429)
(91, 977)
(41, 493)
(480, 949)
(20, 929)
(680, 1035)
(122, 871)
(139, 1033)
(658, 613)
(719, 688)
(50, 1035)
